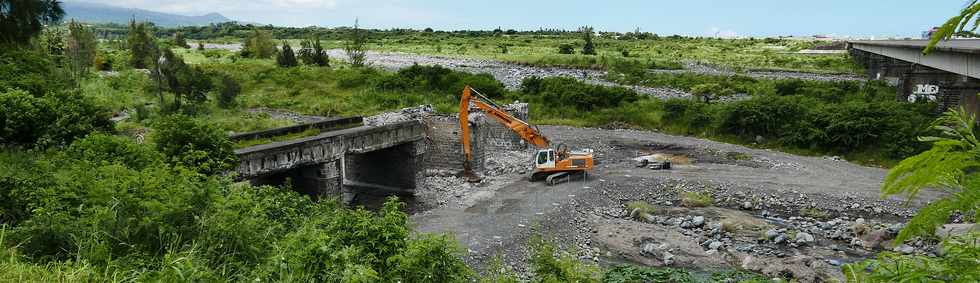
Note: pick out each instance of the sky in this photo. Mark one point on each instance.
(855, 18)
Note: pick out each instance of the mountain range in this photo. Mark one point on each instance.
(101, 13)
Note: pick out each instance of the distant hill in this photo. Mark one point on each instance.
(100, 13)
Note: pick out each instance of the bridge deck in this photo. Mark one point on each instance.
(956, 45)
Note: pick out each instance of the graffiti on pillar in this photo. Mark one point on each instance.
(924, 92)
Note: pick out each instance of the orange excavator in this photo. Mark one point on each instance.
(551, 164)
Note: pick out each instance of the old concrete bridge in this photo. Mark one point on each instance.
(343, 162)
(950, 75)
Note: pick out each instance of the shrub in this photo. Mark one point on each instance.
(228, 90)
(565, 91)
(957, 263)
(763, 116)
(312, 52)
(631, 273)
(566, 48)
(690, 115)
(814, 213)
(589, 47)
(638, 209)
(440, 79)
(696, 199)
(286, 58)
(258, 45)
(108, 149)
(54, 119)
(29, 71)
(547, 267)
(194, 144)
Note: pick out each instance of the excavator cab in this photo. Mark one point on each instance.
(545, 159)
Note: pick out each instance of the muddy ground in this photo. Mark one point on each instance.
(759, 195)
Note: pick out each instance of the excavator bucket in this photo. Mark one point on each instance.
(470, 176)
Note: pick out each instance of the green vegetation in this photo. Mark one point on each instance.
(957, 263)
(957, 25)
(22, 20)
(259, 45)
(80, 50)
(630, 274)
(549, 268)
(141, 45)
(557, 48)
(696, 199)
(82, 201)
(814, 213)
(355, 46)
(639, 209)
(286, 58)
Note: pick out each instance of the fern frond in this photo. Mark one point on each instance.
(937, 213)
(942, 166)
(955, 24)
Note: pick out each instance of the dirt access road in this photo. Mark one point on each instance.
(776, 185)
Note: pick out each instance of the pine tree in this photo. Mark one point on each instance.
(312, 53)
(259, 45)
(180, 41)
(80, 50)
(22, 20)
(286, 58)
(355, 45)
(589, 47)
(142, 45)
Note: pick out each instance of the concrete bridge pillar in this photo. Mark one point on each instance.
(331, 174)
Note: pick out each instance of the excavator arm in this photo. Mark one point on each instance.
(522, 128)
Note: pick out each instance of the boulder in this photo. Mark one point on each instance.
(804, 238)
(950, 230)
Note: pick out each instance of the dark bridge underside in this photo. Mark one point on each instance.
(345, 163)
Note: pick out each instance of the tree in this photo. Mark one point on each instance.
(259, 45)
(194, 144)
(354, 47)
(286, 58)
(957, 24)
(142, 45)
(22, 20)
(180, 41)
(228, 89)
(80, 50)
(589, 47)
(312, 53)
(200, 46)
(52, 41)
(172, 74)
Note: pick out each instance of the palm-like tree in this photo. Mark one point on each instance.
(20, 20)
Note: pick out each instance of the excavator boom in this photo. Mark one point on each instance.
(523, 129)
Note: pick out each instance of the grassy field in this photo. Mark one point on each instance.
(661, 53)
(670, 52)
